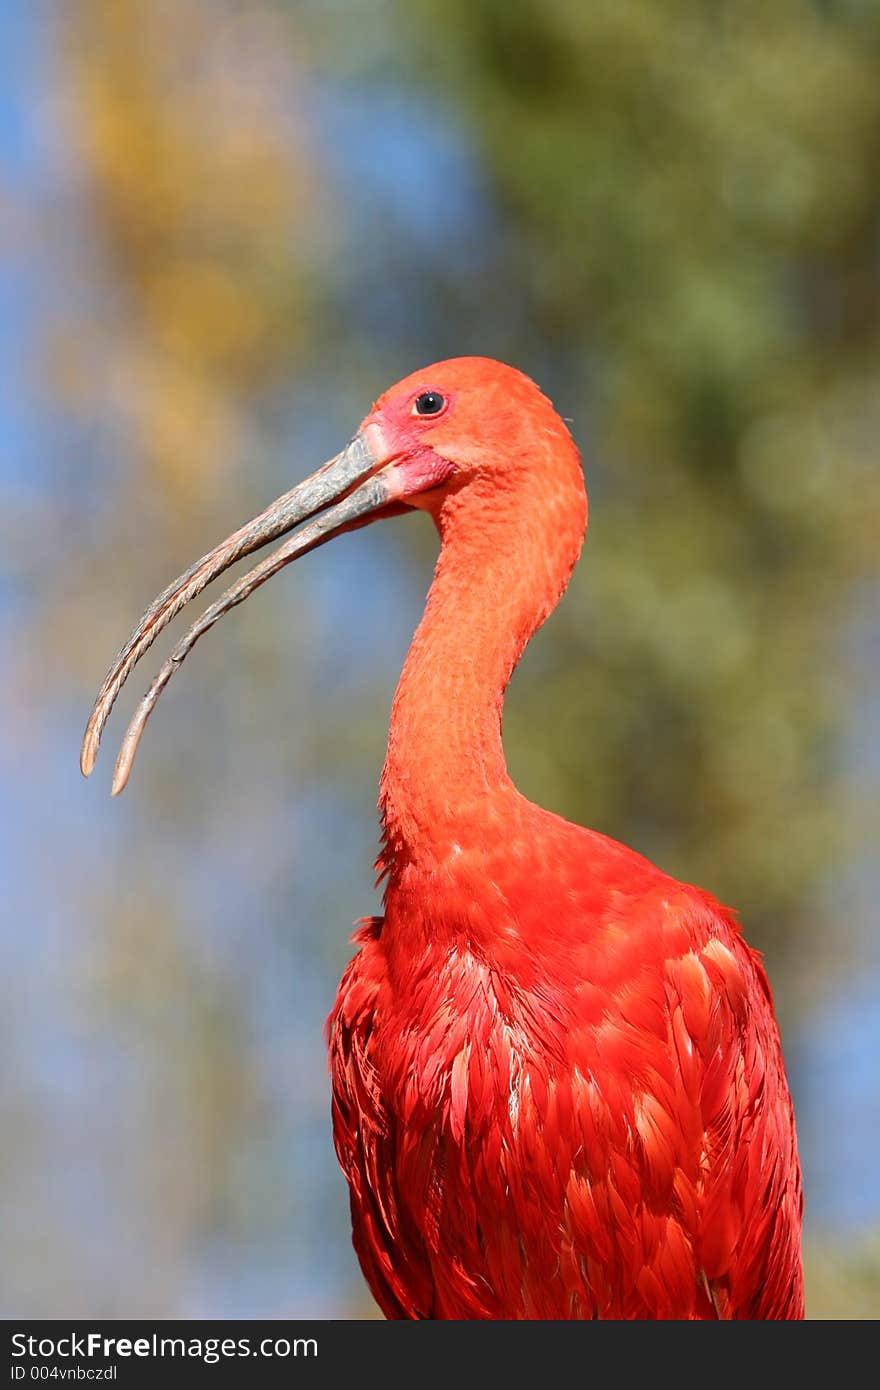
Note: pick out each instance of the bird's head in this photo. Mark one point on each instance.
(468, 436)
(469, 423)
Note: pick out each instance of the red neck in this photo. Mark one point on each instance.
(501, 571)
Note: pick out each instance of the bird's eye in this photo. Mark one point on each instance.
(429, 403)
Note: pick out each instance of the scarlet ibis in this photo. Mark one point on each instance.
(558, 1086)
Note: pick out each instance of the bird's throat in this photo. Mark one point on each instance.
(494, 584)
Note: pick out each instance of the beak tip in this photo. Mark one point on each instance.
(87, 757)
(120, 777)
(125, 760)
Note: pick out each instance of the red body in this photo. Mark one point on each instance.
(557, 1077)
(559, 1094)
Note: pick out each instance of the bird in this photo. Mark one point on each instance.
(558, 1087)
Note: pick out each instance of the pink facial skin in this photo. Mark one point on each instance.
(413, 467)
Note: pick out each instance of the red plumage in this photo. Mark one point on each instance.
(586, 1132)
(558, 1089)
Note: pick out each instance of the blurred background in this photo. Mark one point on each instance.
(226, 226)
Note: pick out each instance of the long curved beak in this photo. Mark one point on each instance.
(343, 494)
